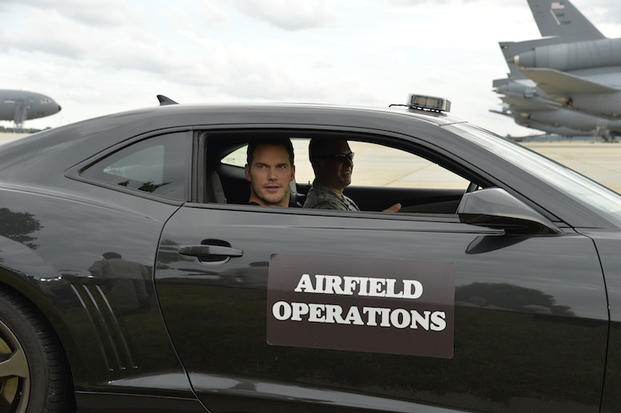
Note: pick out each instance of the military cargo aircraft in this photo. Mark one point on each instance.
(20, 105)
(567, 81)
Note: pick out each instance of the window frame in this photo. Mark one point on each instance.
(75, 172)
(406, 143)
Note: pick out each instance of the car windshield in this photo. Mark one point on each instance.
(579, 187)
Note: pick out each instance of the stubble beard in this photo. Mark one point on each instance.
(267, 202)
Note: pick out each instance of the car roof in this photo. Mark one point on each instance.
(436, 118)
(43, 156)
(105, 130)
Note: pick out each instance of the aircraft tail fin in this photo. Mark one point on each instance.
(554, 82)
(514, 72)
(560, 18)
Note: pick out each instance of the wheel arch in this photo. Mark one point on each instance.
(18, 285)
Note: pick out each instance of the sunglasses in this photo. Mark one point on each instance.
(340, 157)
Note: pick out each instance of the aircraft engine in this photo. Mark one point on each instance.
(572, 56)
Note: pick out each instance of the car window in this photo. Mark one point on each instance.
(383, 166)
(579, 187)
(156, 165)
(375, 165)
(382, 176)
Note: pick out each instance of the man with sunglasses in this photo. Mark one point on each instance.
(333, 164)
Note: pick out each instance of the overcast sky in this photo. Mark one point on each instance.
(105, 56)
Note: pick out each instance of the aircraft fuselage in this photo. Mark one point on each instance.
(21, 105)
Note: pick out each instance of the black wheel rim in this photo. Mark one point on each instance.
(14, 373)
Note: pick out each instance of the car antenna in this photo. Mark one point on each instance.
(165, 100)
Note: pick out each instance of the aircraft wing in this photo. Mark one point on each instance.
(555, 82)
(520, 104)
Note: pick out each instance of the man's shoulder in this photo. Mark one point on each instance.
(319, 189)
(322, 197)
(322, 203)
(322, 200)
(318, 195)
(350, 200)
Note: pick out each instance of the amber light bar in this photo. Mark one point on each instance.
(429, 103)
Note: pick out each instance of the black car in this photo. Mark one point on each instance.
(135, 277)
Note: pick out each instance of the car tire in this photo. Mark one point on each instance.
(33, 371)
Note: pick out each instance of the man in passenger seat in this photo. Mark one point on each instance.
(270, 170)
(333, 164)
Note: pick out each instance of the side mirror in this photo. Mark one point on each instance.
(496, 208)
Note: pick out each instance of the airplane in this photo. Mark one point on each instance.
(532, 107)
(571, 75)
(20, 105)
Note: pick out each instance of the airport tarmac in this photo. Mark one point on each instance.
(375, 165)
(8, 137)
(597, 160)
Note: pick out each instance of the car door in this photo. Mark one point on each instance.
(528, 324)
(294, 309)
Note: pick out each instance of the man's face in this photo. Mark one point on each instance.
(270, 175)
(335, 173)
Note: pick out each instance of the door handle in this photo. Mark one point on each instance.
(210, 251)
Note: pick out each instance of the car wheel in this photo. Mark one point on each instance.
(33, 375)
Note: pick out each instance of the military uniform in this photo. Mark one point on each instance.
(322, 197)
